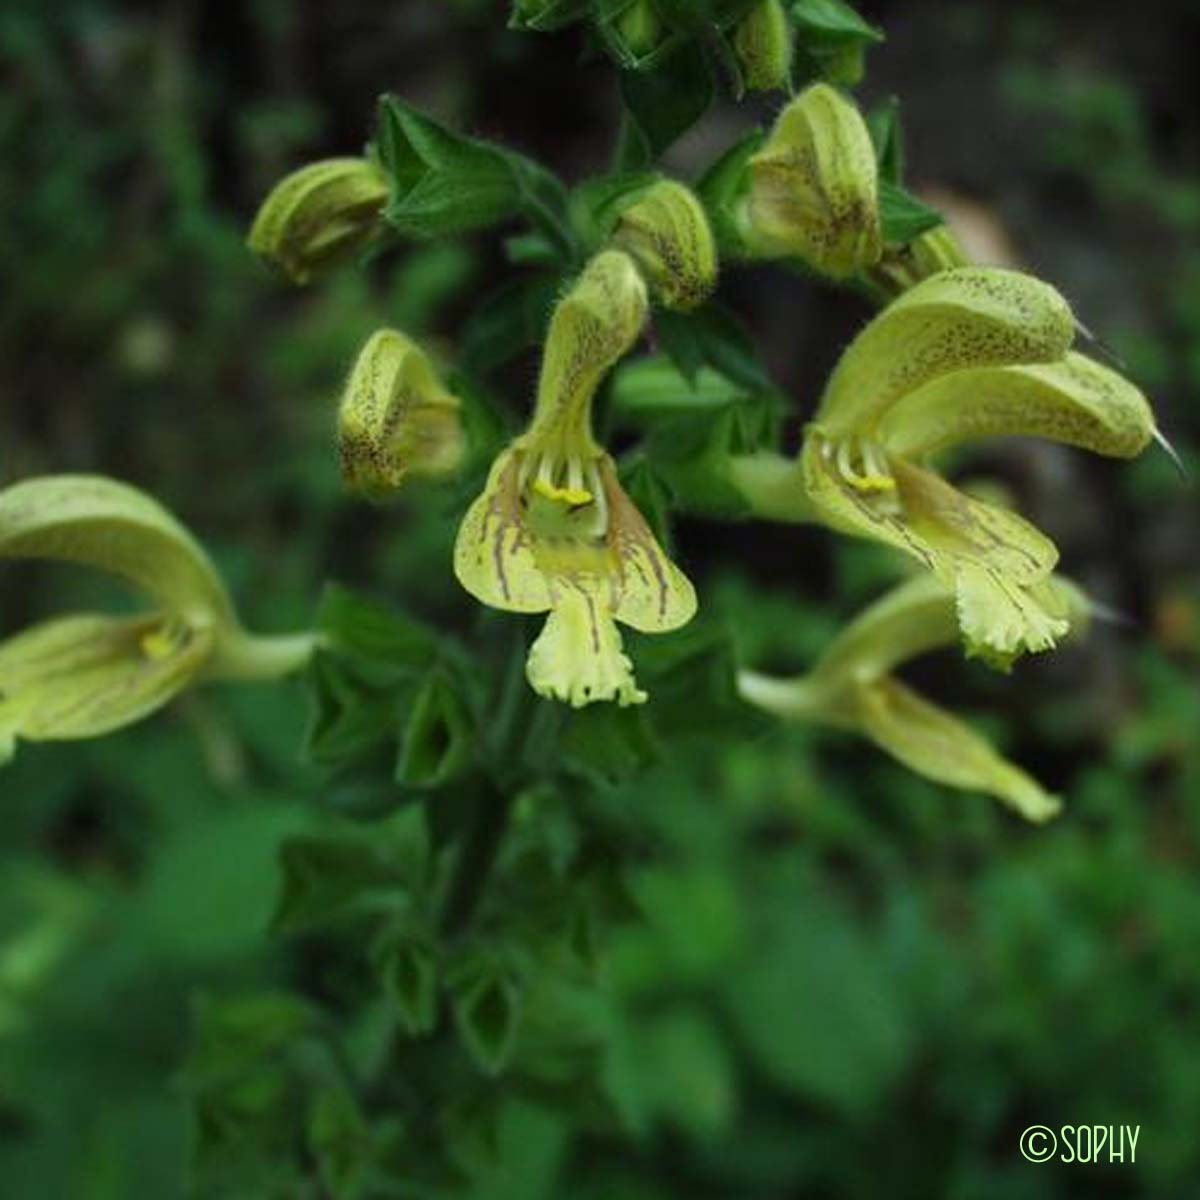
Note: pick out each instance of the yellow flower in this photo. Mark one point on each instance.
(813, 187)
(86, 674)
(966, 354)
(553, 529)
(396, 419)
(853, 687)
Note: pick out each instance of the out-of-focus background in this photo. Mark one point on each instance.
(848, 975)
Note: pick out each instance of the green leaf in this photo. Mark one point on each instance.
(813, 1003)
(832, 41)
(445, 184)
(487, 1009)
(408, 973)
(388, 644)
(438, 738)
(651, 494)
(903, 216)
(692, 680)
(832, 22)
(606, 744)
(232, 1033)
(711, 336)
(509, 321)
(596, 205)
(340, 1140)
(348, 717)
(662, 104)
(544, 16)
(884, 124)
(722, 188)
(327, 878)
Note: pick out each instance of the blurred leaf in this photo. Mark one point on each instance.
(883, 121)
(832, 22)
(607, 744)
(815, 1007)
(510, 320)
(439, 736)
(904, 217)
(389, 643)
(348, 718)
(339, 1138)
(327, 878)
(691, 678)
(487, 1009)
(408, 972)
(662, 104)
(233, 1032)
(544, 16)
(711, 336)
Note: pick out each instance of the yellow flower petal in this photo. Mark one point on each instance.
(650, 592)
(1076, 401)
(991, 558)
(577, 658)
(98, 522)
(933, 743)
(963, 318)
(494, 552)
(86, 675)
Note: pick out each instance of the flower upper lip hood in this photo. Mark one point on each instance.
(86, 674)
(969, 353)
(554, 530)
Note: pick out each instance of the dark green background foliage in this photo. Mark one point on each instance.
(711, 959)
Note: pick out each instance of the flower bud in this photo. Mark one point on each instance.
(762, 42)
(668, 236)
(902, 267)
(320, 216)
(396, 418)
(813, 189)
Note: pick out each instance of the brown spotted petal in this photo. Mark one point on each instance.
(494, 555)
(652, 593)
(993, 560)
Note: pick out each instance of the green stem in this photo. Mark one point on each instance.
(477, 857)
